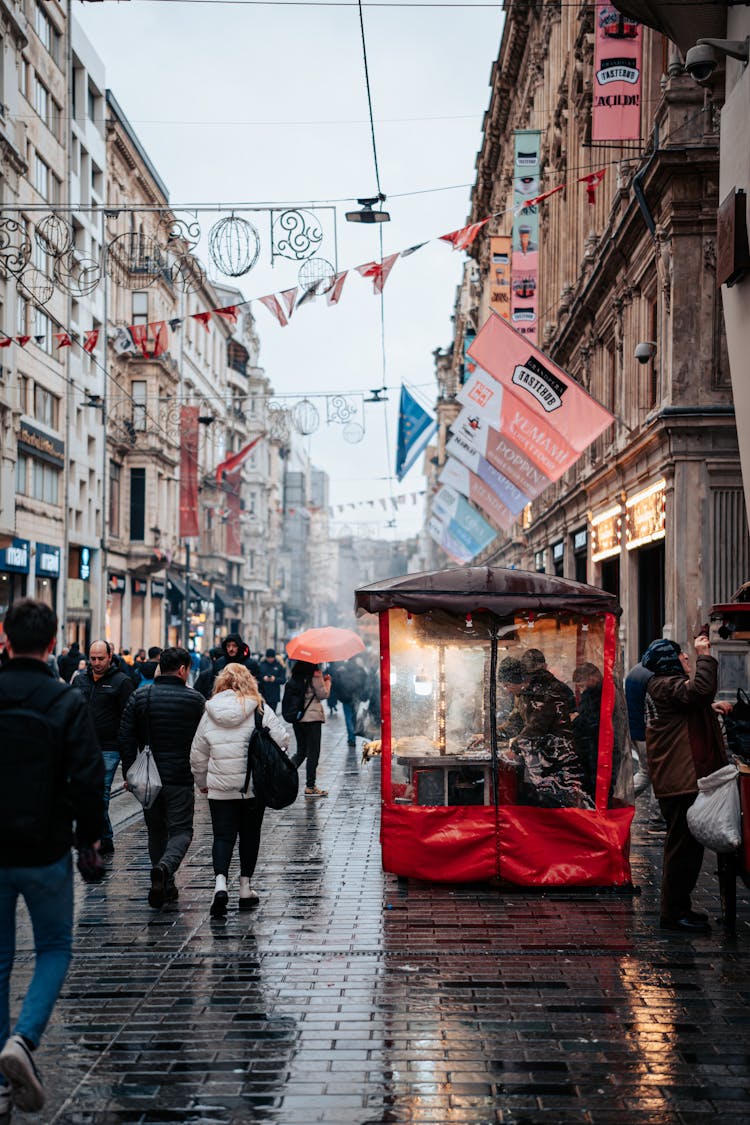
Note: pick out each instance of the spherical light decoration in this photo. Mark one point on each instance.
(188, 273)
(135, 261)
(36, 285)
(233, 246)
(54, 235)
(305, 417)
(77, 276)
(278, 422)
(353, 433)
(316, 274)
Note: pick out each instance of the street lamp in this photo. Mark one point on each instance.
(367, 214)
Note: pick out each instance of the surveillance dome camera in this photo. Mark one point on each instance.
(644, 352)
(700, 63)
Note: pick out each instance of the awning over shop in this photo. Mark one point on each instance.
(175, 587)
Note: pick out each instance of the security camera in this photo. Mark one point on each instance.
(700, 63)
(645, 351)
(702, 60)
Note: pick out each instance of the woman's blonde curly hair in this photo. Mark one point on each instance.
(236, 678)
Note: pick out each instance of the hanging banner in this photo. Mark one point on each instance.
(458, 476)
(564, 415)
(490, 433)
(618, 43)
(189, 428)
(415, 428)
(443, 537)
(465, 445)
(232, 488)
(525, 239)
(500, 275)
(463, 521)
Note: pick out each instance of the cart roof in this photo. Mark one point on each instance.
(472, 588)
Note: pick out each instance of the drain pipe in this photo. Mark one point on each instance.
(638, 179)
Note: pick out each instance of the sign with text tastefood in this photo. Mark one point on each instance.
(562, 412)
(616, 110)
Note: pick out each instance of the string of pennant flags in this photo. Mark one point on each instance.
(152, 339)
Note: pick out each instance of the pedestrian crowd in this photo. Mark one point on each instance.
(67, 726)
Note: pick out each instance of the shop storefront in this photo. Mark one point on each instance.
(580, 541)
(115, 594)
(645, 530)
(156, 631)
(138, 635)
(78, 597)
(606, 538)
(47, 573)
(14, 569)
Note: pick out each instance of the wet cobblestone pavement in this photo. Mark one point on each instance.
(348, 997)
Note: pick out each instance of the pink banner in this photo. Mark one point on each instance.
(466, 482)
(541, 390)
(524, 278)
(189, 429)
(616, 114)
(232, 488)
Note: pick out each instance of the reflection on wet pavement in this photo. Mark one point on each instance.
(348, 996)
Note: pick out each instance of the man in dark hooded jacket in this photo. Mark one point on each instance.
(234, 651)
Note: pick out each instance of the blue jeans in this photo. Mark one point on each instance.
(48, 894)
(111, 762)
(350, 717)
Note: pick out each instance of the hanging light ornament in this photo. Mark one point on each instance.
(305, 417)
(233, 246)
(316, 274)
(353, 433)
(54, 235)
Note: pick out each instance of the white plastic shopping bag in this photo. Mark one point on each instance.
(714, 818)
(143, 778)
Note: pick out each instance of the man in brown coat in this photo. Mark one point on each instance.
(683, 743)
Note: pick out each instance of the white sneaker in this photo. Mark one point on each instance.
(17, 1064)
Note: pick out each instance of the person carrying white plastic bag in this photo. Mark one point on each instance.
(715, 818)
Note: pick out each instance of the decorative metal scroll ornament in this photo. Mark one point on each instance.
(35, 284)
(339, 409)
(135, 260)
(278, 422)
(316, 274)
(15, 246)
(77, 276)
(175, 232)
(233, 246)
(305, 417)
(353, 433)
(296, 235)
(54, 235)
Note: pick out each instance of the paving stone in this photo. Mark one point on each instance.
(350, 996)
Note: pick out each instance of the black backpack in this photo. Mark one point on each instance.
(30, 765)
(293, 704)
(275, 777)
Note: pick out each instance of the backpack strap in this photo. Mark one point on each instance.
(258, 726)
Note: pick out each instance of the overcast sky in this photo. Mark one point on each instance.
(238, 102)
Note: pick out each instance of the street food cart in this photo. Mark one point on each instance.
(491, 768)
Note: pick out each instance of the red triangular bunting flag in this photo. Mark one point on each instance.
(412, 249)
(6, 342)
(378, 271)
(289, 297)
(63, 339)
(139, 332)
(592, 182)
(204, 318)
(22, 341)
(272, 304)
(90, 340)
(158, 330)
(462, 239)
(545, 195)
(229, 313)
(333, 295)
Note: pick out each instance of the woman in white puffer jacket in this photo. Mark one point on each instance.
(218, 759)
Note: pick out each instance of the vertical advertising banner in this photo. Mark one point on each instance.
(525, 239)
(189, 427)
(232, 488)
(500, 275)
(616, 114)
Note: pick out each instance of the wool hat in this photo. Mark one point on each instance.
(511, 671)
(270, 652)
(662, 657)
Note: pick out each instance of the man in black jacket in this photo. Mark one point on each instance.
(51, 773)
(165, 716)
(234, 651)
(271, 678)
(107, 689)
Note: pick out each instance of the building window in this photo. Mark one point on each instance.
(45, 482)
(138, 389)
(23, 393)
(137, 504)
(43, 330)
(114, 499)
(140, 308)
(46, 407)
(48, 34)
(41, 176)
(22, 474)
(23, 77)
(41, 99)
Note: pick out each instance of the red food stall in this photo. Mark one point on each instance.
(504, 751)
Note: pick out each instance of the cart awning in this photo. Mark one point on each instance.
(470, 589)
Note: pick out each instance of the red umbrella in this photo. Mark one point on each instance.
(328, 643)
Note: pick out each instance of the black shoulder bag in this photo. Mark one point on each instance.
(275, 777)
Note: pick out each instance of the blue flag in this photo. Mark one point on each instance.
(415, 428)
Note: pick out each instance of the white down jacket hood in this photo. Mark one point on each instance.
(218, 756)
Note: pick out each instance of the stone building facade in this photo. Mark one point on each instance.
(654, 510)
